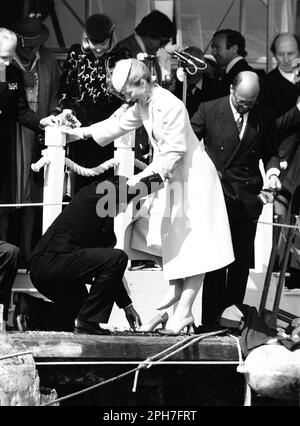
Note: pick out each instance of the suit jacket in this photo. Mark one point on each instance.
(77, 227)
(237, 161)
(227, 79)
(13, 107)
(281, 95)
(210, 90)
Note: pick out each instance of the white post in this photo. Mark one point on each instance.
(264, 233)
(124, 153)
(55, 141)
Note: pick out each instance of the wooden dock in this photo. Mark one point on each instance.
(198, 375)
(202, 374)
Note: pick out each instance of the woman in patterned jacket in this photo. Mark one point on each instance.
(83, 88)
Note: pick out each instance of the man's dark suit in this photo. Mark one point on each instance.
(13, 107)
(78, 248)
(195, 96)
(281, 95)
(238, 165)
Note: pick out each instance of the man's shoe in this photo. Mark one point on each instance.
(21, 311)
(207, 328)
(85, 327)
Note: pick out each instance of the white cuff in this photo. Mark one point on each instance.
(272, 171)
(126, 307)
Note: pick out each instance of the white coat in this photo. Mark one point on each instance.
(195, 230)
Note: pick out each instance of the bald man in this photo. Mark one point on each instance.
(280, 91)
(237, 132)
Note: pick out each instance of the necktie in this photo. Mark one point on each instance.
(239, 123)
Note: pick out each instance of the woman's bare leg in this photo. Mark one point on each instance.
(173, 294)
(183, 312)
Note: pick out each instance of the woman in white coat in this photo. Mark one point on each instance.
(195, 231)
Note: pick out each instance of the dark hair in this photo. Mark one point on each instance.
(99, 27)
(273, 45)
(155, 25)
(233, 37)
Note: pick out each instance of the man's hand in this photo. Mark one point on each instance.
(133, 180)
(51, 120)
(132, 317)
(65, 119)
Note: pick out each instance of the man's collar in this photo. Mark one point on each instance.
(140, 42)
(287, 75)
(232, 63)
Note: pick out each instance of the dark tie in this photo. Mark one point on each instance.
(239, 123)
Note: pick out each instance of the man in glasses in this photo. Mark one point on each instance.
(238, 132)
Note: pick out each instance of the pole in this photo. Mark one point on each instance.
(270, 34)
(55, 141)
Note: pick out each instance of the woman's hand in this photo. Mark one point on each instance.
(133, 180)
(75, 134)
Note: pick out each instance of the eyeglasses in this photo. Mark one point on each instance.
(243, 102)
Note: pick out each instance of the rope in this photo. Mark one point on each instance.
(94, 171)
(145, 364)
(190, 341)
(83, 171)
(14, 355)
(279, 224)
(139, 164)
(239, 349)
(34, 204)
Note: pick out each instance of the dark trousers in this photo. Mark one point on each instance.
(8, 270)
(62, 278)
(227, 286)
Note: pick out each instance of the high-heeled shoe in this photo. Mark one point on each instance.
(153, 323)
(187, 323)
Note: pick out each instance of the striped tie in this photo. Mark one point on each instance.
(239, 123)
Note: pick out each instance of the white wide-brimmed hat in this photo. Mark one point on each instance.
(120, 74)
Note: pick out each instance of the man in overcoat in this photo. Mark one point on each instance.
(13, 107)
